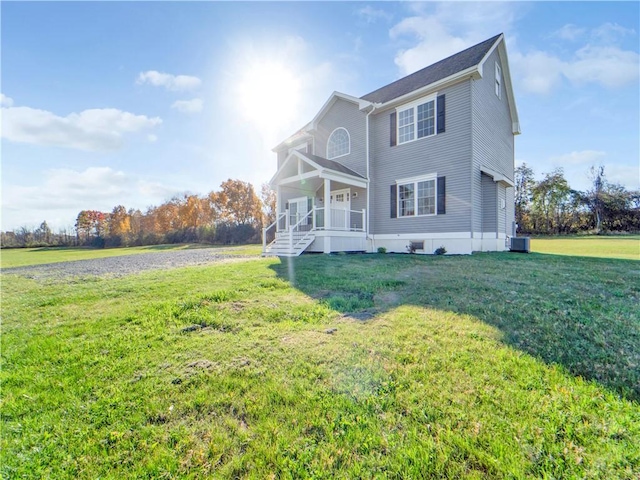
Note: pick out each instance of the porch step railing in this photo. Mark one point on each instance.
(294, 238)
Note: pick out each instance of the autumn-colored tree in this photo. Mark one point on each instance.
(268, 197)
(237, 203)
(119, 222)
(91, 223)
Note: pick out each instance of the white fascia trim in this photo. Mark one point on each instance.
(497, 177)
(301, 134)
(344, 178)
(328, 104)
(420, 236)
(298, 155)
(298, 178)
(421, 92)
(488, 54)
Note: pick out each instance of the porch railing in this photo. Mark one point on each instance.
(345, 220)
(298, 226)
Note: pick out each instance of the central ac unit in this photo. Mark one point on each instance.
(520, 244)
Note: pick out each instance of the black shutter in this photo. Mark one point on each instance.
(394, 200)
(440, 110)
(393, 130)
(442, 195)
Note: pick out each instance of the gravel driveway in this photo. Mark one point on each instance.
(127, 264)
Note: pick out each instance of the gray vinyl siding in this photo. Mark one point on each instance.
(493, 139)
(502, 212)
(489, 204)
(511, 210)
(447, 154)
(347, 115)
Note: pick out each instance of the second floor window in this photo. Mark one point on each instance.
(338, 143)
(417, 121)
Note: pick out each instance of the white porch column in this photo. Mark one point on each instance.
(327, 214)
(278, 206)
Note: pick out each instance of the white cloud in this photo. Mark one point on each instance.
(628, 175)
(434, 33)
(537, 72)
(569, 32)
(188, 106)
(5, 101)
(436, 27)
(584, 157)
(156, 190)
(65, 188)
(152, 138)
(60, 194)
(93, 130)
(608, 66)
(611, 32)
(372, 15)
(170, 82)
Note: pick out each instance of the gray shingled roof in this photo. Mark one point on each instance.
(331, 164)
(428, 75)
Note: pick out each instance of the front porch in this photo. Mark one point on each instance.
(321, 208)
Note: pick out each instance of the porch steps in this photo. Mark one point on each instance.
(280, 246)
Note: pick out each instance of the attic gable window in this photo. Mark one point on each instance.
(498, 81)
(417, 120)
(339, 143)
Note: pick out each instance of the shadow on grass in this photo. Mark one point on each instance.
(578, 312)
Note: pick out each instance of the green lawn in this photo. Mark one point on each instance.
(483, 366)
(626, 247)
(18, 257)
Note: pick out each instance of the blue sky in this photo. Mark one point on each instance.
(131, 103)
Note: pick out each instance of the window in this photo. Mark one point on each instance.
(338, 144)
(417, 197)
(417, 121)
(498, 81)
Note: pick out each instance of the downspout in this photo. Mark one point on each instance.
(373, 107)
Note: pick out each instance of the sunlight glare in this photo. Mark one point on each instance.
(269, 94)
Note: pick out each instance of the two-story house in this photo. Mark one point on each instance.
(426, 161)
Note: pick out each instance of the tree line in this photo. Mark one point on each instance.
(550, 206)
(235, 214)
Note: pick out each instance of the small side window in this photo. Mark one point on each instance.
(498, 81)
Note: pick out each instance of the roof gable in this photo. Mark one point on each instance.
(459, 62)
(317, 163)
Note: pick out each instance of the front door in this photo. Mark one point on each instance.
(340, 209)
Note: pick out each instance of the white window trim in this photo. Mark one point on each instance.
(498, 84)
(414, 105)
(348, 144)
(415, 181)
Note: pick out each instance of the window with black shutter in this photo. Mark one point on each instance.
(393, 129)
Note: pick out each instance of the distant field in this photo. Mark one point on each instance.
(18, 257)
(495, 365)
(627, 247)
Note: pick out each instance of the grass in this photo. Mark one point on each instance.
(625, 247)
(484, 366)
(19, 257)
